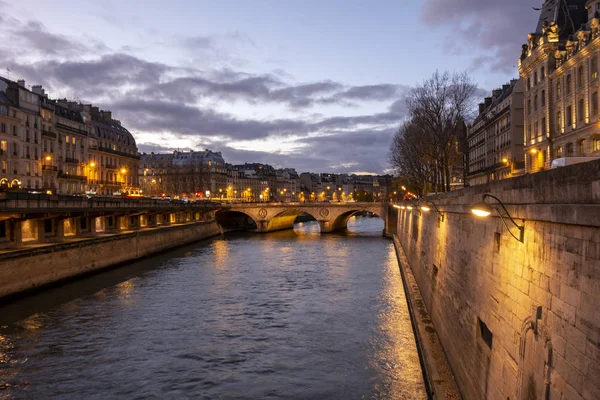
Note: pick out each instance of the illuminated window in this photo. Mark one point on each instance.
(559, 152)
(596, 144)
(594, 68)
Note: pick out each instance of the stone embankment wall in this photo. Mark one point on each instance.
(516, 320)
(32, 268)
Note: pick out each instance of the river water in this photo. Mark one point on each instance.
(285, 315)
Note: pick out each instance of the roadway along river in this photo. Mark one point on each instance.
(290, 314)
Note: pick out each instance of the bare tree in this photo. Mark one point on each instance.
(438, 108)
(411, 156)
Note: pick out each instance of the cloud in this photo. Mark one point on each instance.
(35, 37)
(156, 116)
(91, 78)
(496, 27)
(169, 100)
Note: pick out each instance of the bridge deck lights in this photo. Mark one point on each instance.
(483, 209)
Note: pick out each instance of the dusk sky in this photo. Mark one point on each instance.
(313, 85)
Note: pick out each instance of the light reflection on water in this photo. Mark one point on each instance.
(291, 314)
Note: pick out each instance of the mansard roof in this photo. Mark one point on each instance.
(568, 15)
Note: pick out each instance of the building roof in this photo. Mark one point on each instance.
(4, 99)
(499, 96)
(568, 15)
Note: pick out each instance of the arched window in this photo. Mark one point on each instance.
(569, 149)
(559, 152)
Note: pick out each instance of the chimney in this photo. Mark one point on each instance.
(505, 87)
(106, 116)
(481, 107)
(38, 89)
(21, 82)
(95, 111)
(496, 93)
(488, 102)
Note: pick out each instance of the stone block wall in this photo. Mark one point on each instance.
(30, 269)
(516, 320)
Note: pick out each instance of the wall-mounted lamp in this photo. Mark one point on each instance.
(426, 208)
(483, 209)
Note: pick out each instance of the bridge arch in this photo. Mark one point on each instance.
(235, 220)
(340, 222)
(286, 218)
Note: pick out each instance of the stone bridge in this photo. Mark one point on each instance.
(331, 217)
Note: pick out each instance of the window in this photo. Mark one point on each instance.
(529, 106)
(558, 121)
(569, 149)
(582, 145)
(543, 73)
(536, 129)
(580, 110)
(594, 68)
(559, 152)
(535, 103)
(528, 84)
(595, 103)
(558, 91)
(543, 98)
(3, 146)
(544, 126)
(3, 128)
(568, 84)
(596, 144)
(535, 78)
(569, 116)
(580, 76)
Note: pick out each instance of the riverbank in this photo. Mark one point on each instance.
(38, 266)
(436, 370)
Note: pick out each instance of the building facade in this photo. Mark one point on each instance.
(559, 66)
(496, 136)
(62, 147)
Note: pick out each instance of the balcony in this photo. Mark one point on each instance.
(119, 153)
(64, 175)
(49, 168)
(49, 134)
(69, 160)
(71, 129)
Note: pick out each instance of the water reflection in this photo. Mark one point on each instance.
(293, 314)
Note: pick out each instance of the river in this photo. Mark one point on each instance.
(284, 315)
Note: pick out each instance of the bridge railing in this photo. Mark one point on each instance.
(11, 201)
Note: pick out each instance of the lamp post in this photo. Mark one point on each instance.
(483, 210)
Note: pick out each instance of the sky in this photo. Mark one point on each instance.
(316, 85)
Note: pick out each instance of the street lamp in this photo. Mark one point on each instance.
(426, 208)
(482, 209)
